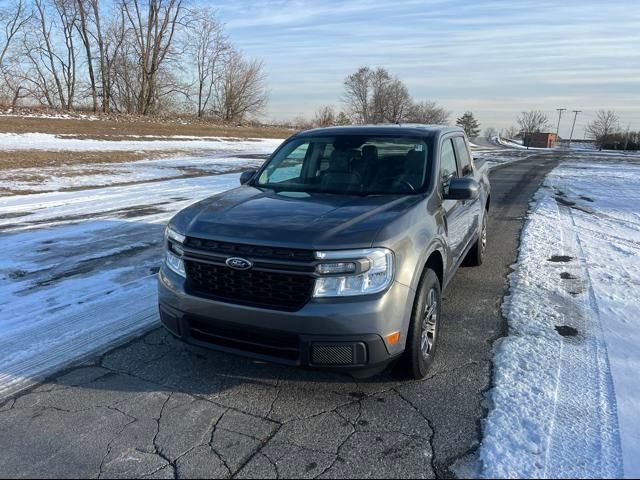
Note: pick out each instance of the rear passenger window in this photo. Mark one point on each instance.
(448, 168)
(464, 159)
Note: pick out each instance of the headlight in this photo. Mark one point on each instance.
(174, 241)
(353, 272)
(171, 234)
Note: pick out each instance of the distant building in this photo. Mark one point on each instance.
(540, 140)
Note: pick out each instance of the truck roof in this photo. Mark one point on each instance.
(414, 129)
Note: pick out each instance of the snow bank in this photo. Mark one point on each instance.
(78, 270)
(49, 142)
(566, 401)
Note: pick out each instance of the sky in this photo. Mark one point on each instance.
(495, 58)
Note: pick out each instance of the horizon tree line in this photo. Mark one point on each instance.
(125, 56)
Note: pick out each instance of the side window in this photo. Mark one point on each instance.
(448, 168)
(462, 152)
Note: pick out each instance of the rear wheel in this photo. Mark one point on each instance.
(475, 257)
(424, 328)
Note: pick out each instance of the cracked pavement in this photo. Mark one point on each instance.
(156, 408)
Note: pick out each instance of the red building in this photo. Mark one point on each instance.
(541, 140)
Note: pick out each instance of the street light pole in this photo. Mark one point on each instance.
(560, 110)
(576, 112)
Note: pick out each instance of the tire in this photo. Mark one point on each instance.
(476, 255)
(424, 328)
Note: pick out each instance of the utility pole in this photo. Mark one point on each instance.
(576, 112)
(560, 110)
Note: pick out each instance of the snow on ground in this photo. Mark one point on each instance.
(566, 401)
(78, 269)
(206, 155)
(66, 177)
(50, 142)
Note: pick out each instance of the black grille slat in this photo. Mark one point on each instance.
(252, 287)
(228, 249)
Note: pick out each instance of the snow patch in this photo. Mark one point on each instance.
(566, 401)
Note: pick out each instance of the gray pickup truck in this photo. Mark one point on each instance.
(334, 254)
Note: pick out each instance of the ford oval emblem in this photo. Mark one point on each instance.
(238, 263)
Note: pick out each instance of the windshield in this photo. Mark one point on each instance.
(349, 164)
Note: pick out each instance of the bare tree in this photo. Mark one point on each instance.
(357, 87)
(429, 113)
(13, 19)
(325, 116)
(154, 32)
(375, 96)
(511, 132)
(85, 11)
(242, 91)
(398, 101)
(533, 121)
(490, 132)
(211, 50)
(605, 125)
(53, 55)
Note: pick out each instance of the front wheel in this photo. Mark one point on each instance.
(475, 257)
(424, 328)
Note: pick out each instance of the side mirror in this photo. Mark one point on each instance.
(462, 189)
(246, 176)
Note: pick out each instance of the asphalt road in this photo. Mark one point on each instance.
(159, 409)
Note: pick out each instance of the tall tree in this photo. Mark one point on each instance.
(242, 92)
(469, 124)
(84, 11)
(376, 96)
(357, 88)
(154, 31)
(13, 21)
(53, 53)
(605, 125)
(211, 50)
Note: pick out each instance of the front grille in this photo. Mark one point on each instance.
(271, 343)
(281, 278)
(286, 291)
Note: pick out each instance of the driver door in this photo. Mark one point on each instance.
(453, 211)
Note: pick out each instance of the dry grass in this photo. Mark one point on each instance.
(116, 128)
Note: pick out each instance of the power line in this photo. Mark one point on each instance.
(576, 112)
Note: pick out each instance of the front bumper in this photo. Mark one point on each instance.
(343, 333)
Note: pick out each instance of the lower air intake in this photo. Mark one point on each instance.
(338, 354)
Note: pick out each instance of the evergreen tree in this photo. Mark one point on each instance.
(469, 124)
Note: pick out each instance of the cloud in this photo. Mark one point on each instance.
(500, 56)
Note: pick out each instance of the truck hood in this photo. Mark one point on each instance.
(292, 219)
